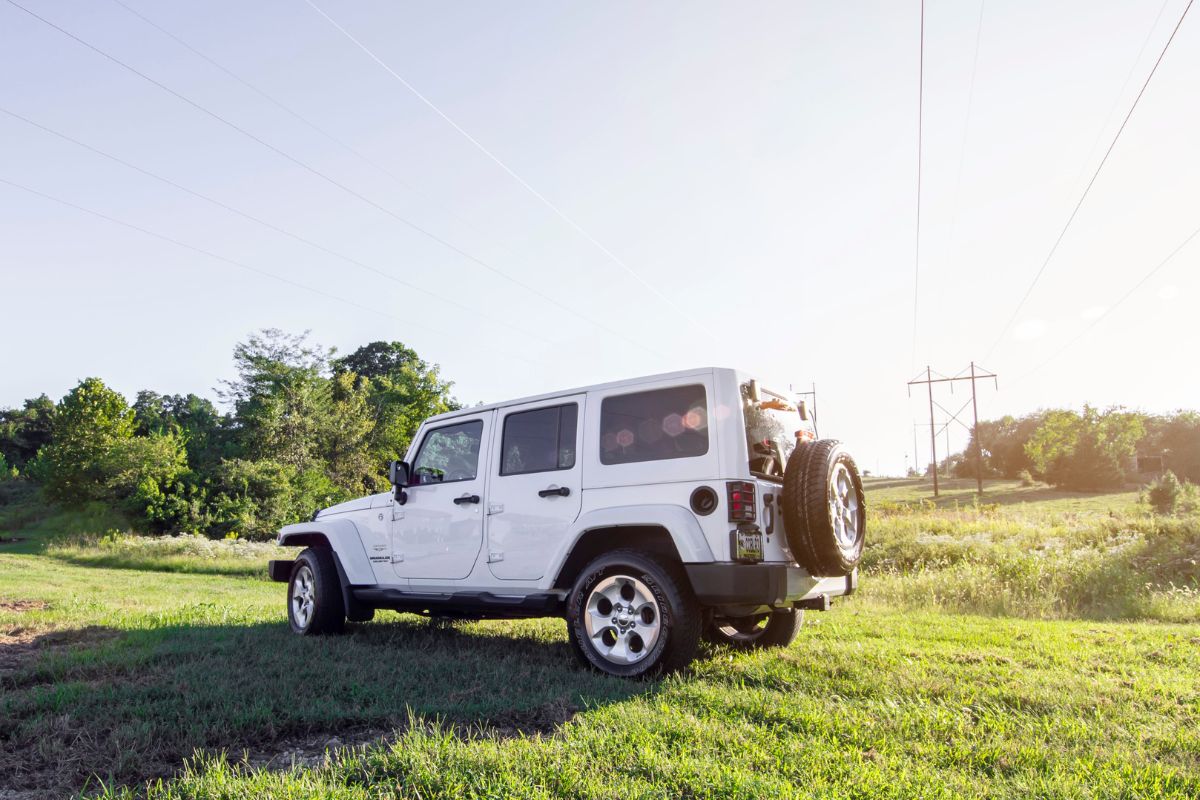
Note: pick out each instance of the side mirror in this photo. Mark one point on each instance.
(398, 474)
(803, 405)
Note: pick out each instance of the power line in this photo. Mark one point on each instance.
(427, 196)
(269, 225)
(1144, 279)
(962, 150)
(610, 255)
(920, 150)
(1121, 92)
(225, 259)
(333, 182)
(1037, 277)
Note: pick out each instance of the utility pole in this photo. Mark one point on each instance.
(975, 435)
(929, 381)
(932, 430)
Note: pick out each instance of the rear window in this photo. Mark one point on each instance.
(654, 426)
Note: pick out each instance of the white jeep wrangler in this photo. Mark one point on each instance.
(647, 512)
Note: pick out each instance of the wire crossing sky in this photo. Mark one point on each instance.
(753, 165)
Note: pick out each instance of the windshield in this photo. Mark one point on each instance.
(771, 426)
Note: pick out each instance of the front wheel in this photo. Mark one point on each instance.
(632, 616)
(776, 629)
(315, 603)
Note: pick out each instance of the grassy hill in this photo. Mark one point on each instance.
(1034, 644)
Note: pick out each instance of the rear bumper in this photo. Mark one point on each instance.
(280, 570)
(776, 585)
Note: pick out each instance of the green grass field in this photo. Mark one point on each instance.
(1031, 645)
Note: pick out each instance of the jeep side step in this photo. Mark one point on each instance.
(464, 604)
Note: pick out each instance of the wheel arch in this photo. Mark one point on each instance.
(669, 532)
(340, 536)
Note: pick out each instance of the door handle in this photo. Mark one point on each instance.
(466, 498)
(555, 490)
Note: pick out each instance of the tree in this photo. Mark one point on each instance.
(1085, 451)
(201, 427)
(88, 423)
(25, 431)
(280, 396)
(1179, 440)
(345, 436)
(404, 390)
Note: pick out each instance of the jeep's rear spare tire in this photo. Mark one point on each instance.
(824, 508)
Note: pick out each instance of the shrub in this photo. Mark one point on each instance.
(1164, 494)
(1026, 478)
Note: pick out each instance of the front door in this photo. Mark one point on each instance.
(439, 530)
(535, 489)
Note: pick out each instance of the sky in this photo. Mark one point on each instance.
(750, 167)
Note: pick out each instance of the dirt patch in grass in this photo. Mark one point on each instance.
(311, 751)
(544, 720)
(20, 646)
(315, 749)
(21, 606)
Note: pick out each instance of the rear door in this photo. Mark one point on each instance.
(535, 485)
(439, 530)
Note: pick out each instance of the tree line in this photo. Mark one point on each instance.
(304, 429)
(1086, 450)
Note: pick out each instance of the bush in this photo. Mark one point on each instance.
(1164, 494)
(1026, 478)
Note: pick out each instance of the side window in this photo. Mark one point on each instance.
(449, 454)
(654, 425)
(539, 440)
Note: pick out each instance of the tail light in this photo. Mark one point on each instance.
(741, 501)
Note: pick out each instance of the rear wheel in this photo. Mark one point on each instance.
(775, 629)
(632, 616)
(315, 604)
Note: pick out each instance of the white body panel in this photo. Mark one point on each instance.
(434, 537)
(523, 527)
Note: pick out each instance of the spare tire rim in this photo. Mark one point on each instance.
(844, 507)
(303, 596)
(622, 619)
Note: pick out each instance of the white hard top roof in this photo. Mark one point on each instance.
(630, 382)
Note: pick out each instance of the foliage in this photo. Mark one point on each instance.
(24, 431)
(88, 424)
(1164, 494)
(303, 431)
(1085, 451)
(1177, 438)
(402, 390)
(1026, 478)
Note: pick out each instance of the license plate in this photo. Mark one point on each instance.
(748, 545)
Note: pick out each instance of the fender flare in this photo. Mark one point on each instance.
(680, 523)
(342, 537)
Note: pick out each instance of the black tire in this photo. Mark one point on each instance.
(638, 582)
(824, 508)
(775, 629)
(326, 610)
